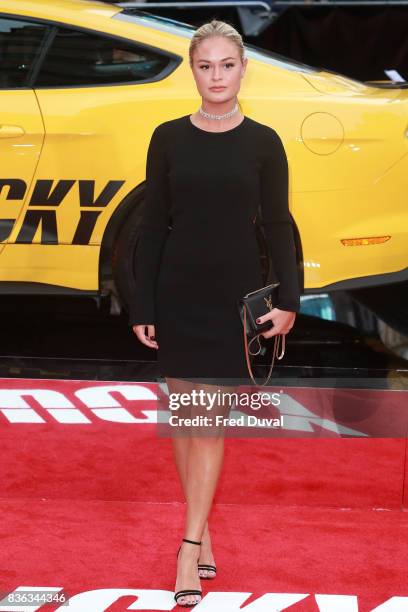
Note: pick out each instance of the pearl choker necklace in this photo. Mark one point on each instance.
(225, 116)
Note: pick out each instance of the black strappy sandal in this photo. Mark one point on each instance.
(212, 568)
(187, 591)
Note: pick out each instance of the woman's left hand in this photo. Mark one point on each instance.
(283, 321)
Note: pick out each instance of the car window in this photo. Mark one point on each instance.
(78, 57)
(134, 15)
(20, 43)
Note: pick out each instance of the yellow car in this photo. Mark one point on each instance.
(83, 85)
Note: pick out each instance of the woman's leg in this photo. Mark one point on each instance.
(187, 576)
(198, 455)
(180, 453)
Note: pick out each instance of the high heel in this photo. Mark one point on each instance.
(185, 592)
(203, 566)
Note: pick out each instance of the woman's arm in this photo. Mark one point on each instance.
(152, 233)
(277, 223)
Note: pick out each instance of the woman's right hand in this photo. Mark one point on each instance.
(140, 331)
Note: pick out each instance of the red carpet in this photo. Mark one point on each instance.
(92, 506)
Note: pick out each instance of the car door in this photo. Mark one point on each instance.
(21, 126)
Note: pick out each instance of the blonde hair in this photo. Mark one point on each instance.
(216, 28)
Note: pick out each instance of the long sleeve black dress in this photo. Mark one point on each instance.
(207, 186)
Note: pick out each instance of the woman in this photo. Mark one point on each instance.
(206, 174)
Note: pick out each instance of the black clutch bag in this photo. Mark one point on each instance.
(251, 306)
(258, 303)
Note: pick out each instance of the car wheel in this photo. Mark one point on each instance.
(123, 258)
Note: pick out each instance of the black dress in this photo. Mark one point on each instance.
(207, 186)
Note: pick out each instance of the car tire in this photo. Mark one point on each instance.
(123, 258)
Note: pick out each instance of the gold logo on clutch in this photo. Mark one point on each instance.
(268, 301)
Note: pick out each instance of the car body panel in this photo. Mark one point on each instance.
(21, 140)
